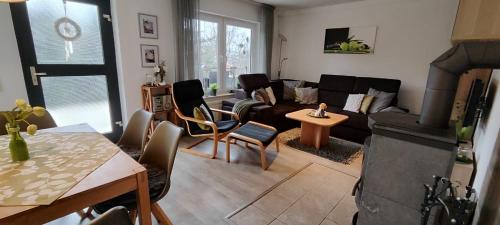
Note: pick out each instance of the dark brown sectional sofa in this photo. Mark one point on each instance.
(333, 90)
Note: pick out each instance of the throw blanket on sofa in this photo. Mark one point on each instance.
(241, 107)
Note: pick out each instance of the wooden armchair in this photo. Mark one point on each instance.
(186, 96)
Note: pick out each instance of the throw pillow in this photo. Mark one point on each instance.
(271, 96)
(299, 94)
(307, 95)
(365, 104)
(354, 102)
(310, 96)
(260, 95)
(199, 116)
(381, 101)
(289, 88)
(206, 113)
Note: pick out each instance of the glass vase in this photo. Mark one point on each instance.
(17, 145)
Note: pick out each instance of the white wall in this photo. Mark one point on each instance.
(485, 138)
(239, 9)
(410, 35)
(11, 74)
(127, 41)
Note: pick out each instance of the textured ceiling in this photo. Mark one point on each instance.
(297, 4)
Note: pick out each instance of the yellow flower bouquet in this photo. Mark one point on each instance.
(17, 146)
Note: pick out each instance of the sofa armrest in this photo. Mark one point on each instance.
(262, 112)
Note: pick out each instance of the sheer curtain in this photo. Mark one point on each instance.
(266, 37)
(186, 14)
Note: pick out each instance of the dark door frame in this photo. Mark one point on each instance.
(26, 47)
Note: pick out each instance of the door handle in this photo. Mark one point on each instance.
(34, 75)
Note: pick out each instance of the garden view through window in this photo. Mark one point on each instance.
(226, 48)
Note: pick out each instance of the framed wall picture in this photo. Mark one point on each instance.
(148, 26)
(149, 55)
(350, 40)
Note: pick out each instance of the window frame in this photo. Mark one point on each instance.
(222, 23)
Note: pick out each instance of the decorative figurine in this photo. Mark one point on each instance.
(321, 112)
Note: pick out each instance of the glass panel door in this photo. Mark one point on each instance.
(238, 54)
(209, 52)
(65, 33)
(67, 53)
(79, 105)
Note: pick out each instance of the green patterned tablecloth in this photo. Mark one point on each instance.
(58, 161)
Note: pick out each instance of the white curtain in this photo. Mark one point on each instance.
(186, 14)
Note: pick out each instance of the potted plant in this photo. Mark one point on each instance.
(213, 89)
(17, 145)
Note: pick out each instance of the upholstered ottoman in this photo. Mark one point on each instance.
(257, 134)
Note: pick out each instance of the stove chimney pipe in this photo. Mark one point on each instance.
(444, 74)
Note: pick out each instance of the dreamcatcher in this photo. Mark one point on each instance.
(69, 30)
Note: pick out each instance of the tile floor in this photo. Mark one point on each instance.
(317, 195)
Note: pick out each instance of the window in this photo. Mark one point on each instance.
(226, 50)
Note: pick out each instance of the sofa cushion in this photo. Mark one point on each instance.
(356, 120)
(336, 83)
(354, 102)
(334, 89)
(332, 98)
(270, 94)
(311, 84)
(306, 95)
(261, 96)
(289, 88)
(381, 101)
(250, 82)
(285, 107)
(363, 84)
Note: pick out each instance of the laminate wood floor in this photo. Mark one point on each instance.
(205, 191)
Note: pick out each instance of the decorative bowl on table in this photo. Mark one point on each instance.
(314, 113)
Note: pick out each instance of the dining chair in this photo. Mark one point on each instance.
(43, 122)
(158, 158)
(187, 95)
(131, 142)
(134, 137)
(115, 216)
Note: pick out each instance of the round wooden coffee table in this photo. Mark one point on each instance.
(315, 131)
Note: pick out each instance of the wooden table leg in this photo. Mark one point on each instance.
(314, 135)
(143, 203)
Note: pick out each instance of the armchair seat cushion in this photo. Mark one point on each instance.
(262, 134)
(222, 125)
(157, 179)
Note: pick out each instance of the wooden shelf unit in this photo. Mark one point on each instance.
(148, 93)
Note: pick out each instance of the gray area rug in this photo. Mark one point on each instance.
(337, 150)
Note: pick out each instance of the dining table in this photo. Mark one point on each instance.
(118, 175)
